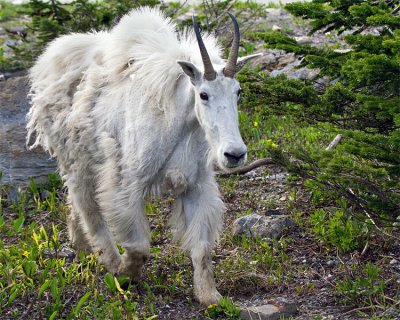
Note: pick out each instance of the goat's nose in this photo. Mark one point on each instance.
(235, 157)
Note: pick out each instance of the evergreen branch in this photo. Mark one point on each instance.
(375, 225)
(365, 26)
(375, 190)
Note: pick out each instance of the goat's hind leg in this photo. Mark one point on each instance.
(82, 196)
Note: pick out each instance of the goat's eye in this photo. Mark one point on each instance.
(204, 96)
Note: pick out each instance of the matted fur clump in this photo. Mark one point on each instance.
(131, 113)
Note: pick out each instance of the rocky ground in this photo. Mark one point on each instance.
(307, 287)
(312, 270)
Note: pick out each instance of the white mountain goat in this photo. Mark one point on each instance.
(132, 113)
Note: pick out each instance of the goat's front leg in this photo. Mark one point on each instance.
(203, 212)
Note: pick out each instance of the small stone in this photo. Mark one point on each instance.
(45, 194)
(274, 212)
(330, 263)
(276, 28)
(393, 261)
(268, 312)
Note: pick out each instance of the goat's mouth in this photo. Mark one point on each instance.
(234, 160)
(229, 161)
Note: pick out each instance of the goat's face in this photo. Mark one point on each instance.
(216, 97)
(216, 111)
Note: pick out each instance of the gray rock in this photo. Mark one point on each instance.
(286, 59)
(16, 162)
(303, 40)
(292, 72)
(265, 227)
(268, 312)
(20, 30)
(275, 59)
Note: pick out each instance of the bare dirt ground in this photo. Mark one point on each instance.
(313, 269)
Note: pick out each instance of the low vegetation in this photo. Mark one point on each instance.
(342, 254)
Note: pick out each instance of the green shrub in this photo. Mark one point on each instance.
(360, 99)
(338, 230)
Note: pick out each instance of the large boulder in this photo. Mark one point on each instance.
(17, 163)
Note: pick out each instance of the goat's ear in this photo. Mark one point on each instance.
(191, 70)
(243, 60)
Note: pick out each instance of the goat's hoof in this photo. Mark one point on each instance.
(206, 299)
(111, 262)
(131, 265)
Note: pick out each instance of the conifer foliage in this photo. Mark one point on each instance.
(360, 99)
(53, 18)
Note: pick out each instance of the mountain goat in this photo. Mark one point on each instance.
(132, 113)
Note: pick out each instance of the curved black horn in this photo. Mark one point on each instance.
(209, 72)
(230, 67)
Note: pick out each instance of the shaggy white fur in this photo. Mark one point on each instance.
(126, 121)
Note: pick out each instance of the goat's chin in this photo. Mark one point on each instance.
(227, 167)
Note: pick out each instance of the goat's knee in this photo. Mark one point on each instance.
(176, 180)
(203, 276)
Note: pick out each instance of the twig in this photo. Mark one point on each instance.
(356, 309)
(180, 7)
(365, 249)
(372, 220)
(391, 308)
(379, 229)
(248, 168)
(267, 161)
(334, 142)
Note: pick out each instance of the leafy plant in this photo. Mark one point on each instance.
(362, 288)
(338, 230)
(227, 309)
